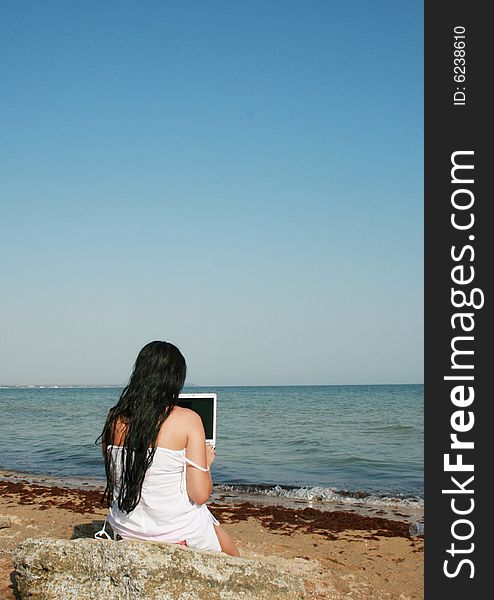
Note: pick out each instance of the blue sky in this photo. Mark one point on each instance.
(241, 178)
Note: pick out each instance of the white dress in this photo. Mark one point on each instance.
(165, 512)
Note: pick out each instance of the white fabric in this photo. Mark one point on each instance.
(165, 512)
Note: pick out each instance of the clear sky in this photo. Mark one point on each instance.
(243, 179)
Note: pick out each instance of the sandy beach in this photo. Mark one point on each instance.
(339, 554)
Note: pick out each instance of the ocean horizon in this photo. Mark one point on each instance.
(190, 385)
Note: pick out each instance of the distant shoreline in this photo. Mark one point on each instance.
(197, 385)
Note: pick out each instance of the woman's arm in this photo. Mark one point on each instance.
(199, 483)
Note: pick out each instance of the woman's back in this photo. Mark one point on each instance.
(173, 433)
(164, 482)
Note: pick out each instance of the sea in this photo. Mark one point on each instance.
(349, 444)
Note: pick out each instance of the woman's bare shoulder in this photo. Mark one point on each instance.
(186, 416)
(177, 428)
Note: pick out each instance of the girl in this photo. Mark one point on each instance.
(157, 461)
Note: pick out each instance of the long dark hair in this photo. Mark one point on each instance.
(145, 403)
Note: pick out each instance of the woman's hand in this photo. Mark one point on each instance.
(210, 454)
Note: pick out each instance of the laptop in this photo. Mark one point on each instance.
(205, 406)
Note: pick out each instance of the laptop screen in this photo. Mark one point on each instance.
(205, 406)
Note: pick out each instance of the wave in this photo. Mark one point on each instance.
(390, 428)
(325, 494)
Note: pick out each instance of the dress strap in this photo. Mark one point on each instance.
(191, 462)
(182, 478)
(102, 534)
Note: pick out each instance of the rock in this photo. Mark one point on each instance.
(5, 522)
(85, 569)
